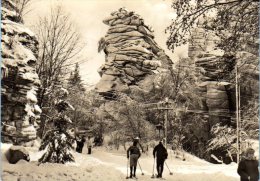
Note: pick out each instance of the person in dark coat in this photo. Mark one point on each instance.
(80, 144)
(248, 167)
(161, 154)
(134, 153)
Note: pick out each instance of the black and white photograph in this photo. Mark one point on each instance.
(116, 90)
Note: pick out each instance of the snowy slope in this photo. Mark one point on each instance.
(103, 165)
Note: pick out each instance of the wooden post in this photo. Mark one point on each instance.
(237, 116)
(166, 121)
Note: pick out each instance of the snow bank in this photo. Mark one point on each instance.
(85, 168)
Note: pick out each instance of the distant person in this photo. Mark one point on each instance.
(98, 140)
(89, 145)
(161, 154)
(80, 144)
(248, 166)
(134, 153)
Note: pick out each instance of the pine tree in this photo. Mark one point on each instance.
(58, 142)
(78, 98)
(75, 79)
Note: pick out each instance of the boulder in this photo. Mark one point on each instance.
(16, 153)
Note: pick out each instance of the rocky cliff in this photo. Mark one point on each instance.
(217, 82)
(132, 55)
(217, 70)
(216, 85)
(19, 78)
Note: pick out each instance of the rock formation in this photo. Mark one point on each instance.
(19, 78)
(217, 83)
(215, 74)
(132, 55)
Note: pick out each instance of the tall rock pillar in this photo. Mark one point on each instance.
(20, 81)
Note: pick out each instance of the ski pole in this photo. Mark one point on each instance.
(140, 167)
(168, 169)
(127, 168)
(153, 168)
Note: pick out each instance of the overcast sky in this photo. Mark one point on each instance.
(88, 16)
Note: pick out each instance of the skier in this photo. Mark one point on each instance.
(248, 167)
(89, 145)
(161, 154)
(134, 153)
(80, 144)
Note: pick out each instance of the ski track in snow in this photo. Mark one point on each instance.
(105, 166)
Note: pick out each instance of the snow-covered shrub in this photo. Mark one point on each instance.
(57, 142)
(225, 140)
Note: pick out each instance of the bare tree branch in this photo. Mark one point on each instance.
(59, 43)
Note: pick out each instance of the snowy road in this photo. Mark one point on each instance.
(194, 169)
(111, 166)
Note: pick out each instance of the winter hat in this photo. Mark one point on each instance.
(136, 138)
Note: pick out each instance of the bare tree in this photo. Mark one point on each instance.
(59, 43)
(235, 21)
(22, 8)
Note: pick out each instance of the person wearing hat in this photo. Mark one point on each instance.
(134, 153)
(161, 154)
(248, 166)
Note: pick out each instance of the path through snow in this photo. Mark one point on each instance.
(111, 166)
(192, 170)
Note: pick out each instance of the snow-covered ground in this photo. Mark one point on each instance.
(110, 165)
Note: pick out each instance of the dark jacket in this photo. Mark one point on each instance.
(247, 168)
(133, 150)
(160, 152)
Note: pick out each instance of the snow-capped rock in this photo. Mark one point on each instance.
(20, 81)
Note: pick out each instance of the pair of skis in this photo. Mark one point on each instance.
(155, 177)
(135, 178)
